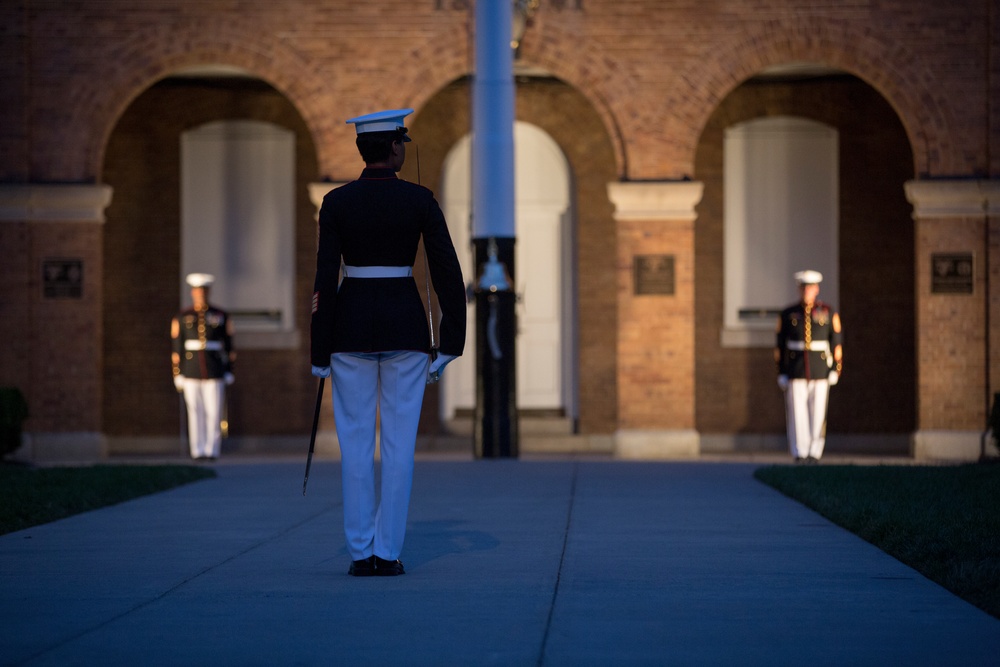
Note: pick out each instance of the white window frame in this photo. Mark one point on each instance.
(238, 223)
(781, 215)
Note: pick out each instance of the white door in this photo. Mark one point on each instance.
(543, 277)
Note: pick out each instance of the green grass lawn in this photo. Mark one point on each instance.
(33, 496)
(943, 521)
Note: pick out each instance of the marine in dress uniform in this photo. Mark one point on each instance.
(202, 359)
(809, 353)
(370, 332)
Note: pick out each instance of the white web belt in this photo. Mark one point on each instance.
(215, 345)
(377, 271)
(815, 346)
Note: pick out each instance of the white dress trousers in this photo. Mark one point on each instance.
(805, 405)
(391, 386)
(204, 400)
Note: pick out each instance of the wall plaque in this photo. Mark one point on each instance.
(62, 278)
(653, 274)
(952, 273)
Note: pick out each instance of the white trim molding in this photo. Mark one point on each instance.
(953, 198)
(946, 445)
(659, 200)
(267, 340)
(747, 337)
(666, 444)
(68, 447)
(54, 202)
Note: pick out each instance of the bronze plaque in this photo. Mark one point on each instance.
(62, 278)
(653, 274)
(952, 273)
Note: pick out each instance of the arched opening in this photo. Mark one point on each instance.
(145, 256)
(576, 135)
(738, 404)
(544, 282)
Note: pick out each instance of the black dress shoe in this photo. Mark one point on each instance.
(362, 568)
(388, 568)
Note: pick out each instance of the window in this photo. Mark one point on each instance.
(237, 222)
(781, 216)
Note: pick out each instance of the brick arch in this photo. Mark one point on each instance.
(893, 70)
(156, 53)
(440, 60)
(445, 58)
(605, 83)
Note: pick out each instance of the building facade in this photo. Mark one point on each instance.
(676, 160)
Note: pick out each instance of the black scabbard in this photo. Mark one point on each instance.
(312, 439)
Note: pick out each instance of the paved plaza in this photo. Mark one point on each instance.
(565, 561)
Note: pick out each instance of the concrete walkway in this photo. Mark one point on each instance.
(530, 562)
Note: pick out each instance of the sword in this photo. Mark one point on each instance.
(431, 379)
(312, 439)
(185, 435)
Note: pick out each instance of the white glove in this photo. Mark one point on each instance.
(179, 382)
(437, 367)
(783, 382)
(833, 378)
(229, 378)
(321, 371)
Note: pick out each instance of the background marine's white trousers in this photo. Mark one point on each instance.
(805, 408)
(391, 384)
(204, 399)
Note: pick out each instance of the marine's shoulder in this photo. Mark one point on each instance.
(413, 189)
(396, 185)
(791, 310)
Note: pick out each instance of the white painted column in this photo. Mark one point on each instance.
(54, 203)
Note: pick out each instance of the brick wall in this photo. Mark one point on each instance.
(14, 84)
(142, 166)
(15, 305)
(274, 391)
(646, 81)
(576, 127)
(90, 61)
(928, 58)
(736, 392)
(993, 290)
(656, 333)
(64, 389)
(951, 331)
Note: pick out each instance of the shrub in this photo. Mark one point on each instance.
(13, 412)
